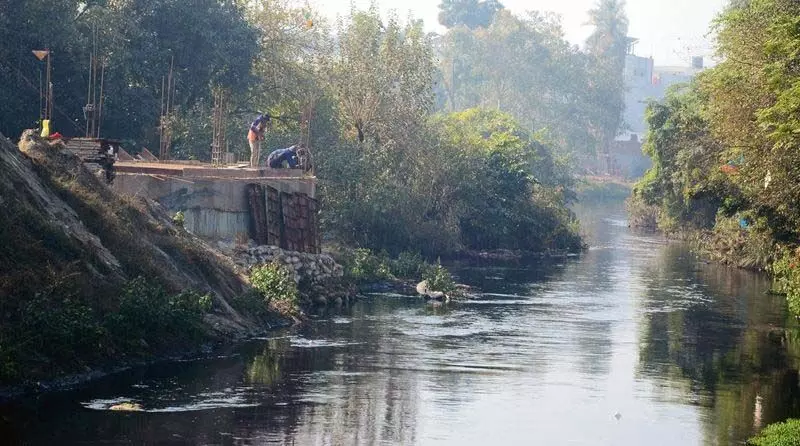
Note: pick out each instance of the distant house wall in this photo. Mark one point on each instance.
(643, 82)
(629, 161)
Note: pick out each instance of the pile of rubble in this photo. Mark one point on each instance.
(313, 268)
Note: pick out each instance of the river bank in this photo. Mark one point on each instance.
(89, 278)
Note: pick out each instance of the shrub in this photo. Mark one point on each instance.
(409, 265)
(729, 243)
(47, 332)
(179, 219)
(786, 279)
(147, 313)
(778, 434)
(439, 278)
(364, 266)
(60, 328)
(252, 303)
(275, 283)
(640, 214)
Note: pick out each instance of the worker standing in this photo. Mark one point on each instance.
(256, 134)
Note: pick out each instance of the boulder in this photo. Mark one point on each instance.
(424, 290)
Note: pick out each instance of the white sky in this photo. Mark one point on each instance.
(670, 31)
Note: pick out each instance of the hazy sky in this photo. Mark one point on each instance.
(669, 30)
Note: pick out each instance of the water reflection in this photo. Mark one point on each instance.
(687, 353)
(712, 336)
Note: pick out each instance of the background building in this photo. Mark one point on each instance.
(643, 81)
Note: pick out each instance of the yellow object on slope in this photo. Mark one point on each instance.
(45, 128)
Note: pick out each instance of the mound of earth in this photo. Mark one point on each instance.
(65, 236)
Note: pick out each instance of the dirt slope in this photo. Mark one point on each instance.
(65, 234)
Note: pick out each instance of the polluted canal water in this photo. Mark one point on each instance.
(635, 342)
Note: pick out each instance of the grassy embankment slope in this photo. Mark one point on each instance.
(90, 278)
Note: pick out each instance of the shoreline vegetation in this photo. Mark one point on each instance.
(724, 152)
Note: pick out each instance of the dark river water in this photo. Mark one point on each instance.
(636, 342)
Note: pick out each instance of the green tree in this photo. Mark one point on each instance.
(685, 182)
(382, 77)
(523, 66)
(36, 25)
(211, 43)
(470, 13)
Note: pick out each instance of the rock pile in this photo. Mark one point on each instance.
(312, 268)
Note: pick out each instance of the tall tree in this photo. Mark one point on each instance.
(382, 76)
(36, 25)
(608, 46)
(470, 13)
(525, 67)
(210, 41)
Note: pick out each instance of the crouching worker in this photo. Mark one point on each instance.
(275, 159)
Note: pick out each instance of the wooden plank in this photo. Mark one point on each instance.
(123, 155)
(146, 155)
(258, 223)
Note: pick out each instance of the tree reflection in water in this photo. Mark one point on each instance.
(714, 335)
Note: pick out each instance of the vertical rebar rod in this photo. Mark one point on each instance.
(100, 99)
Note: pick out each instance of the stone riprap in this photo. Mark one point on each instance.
(313, 268)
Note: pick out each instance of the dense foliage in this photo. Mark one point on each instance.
(778, 434)
(59, 330)
(523, 65)
(275, 283)
(725, 147)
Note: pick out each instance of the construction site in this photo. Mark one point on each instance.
(222, 200)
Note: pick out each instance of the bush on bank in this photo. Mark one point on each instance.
(60, 331)
(786, 276)
(778, 434)
(275, 283)
(474, 180)
(364, 266)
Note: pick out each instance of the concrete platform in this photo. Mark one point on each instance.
(202, 170)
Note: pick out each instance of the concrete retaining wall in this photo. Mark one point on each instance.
(215, 206)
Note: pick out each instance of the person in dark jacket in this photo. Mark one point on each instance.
(276, 158)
